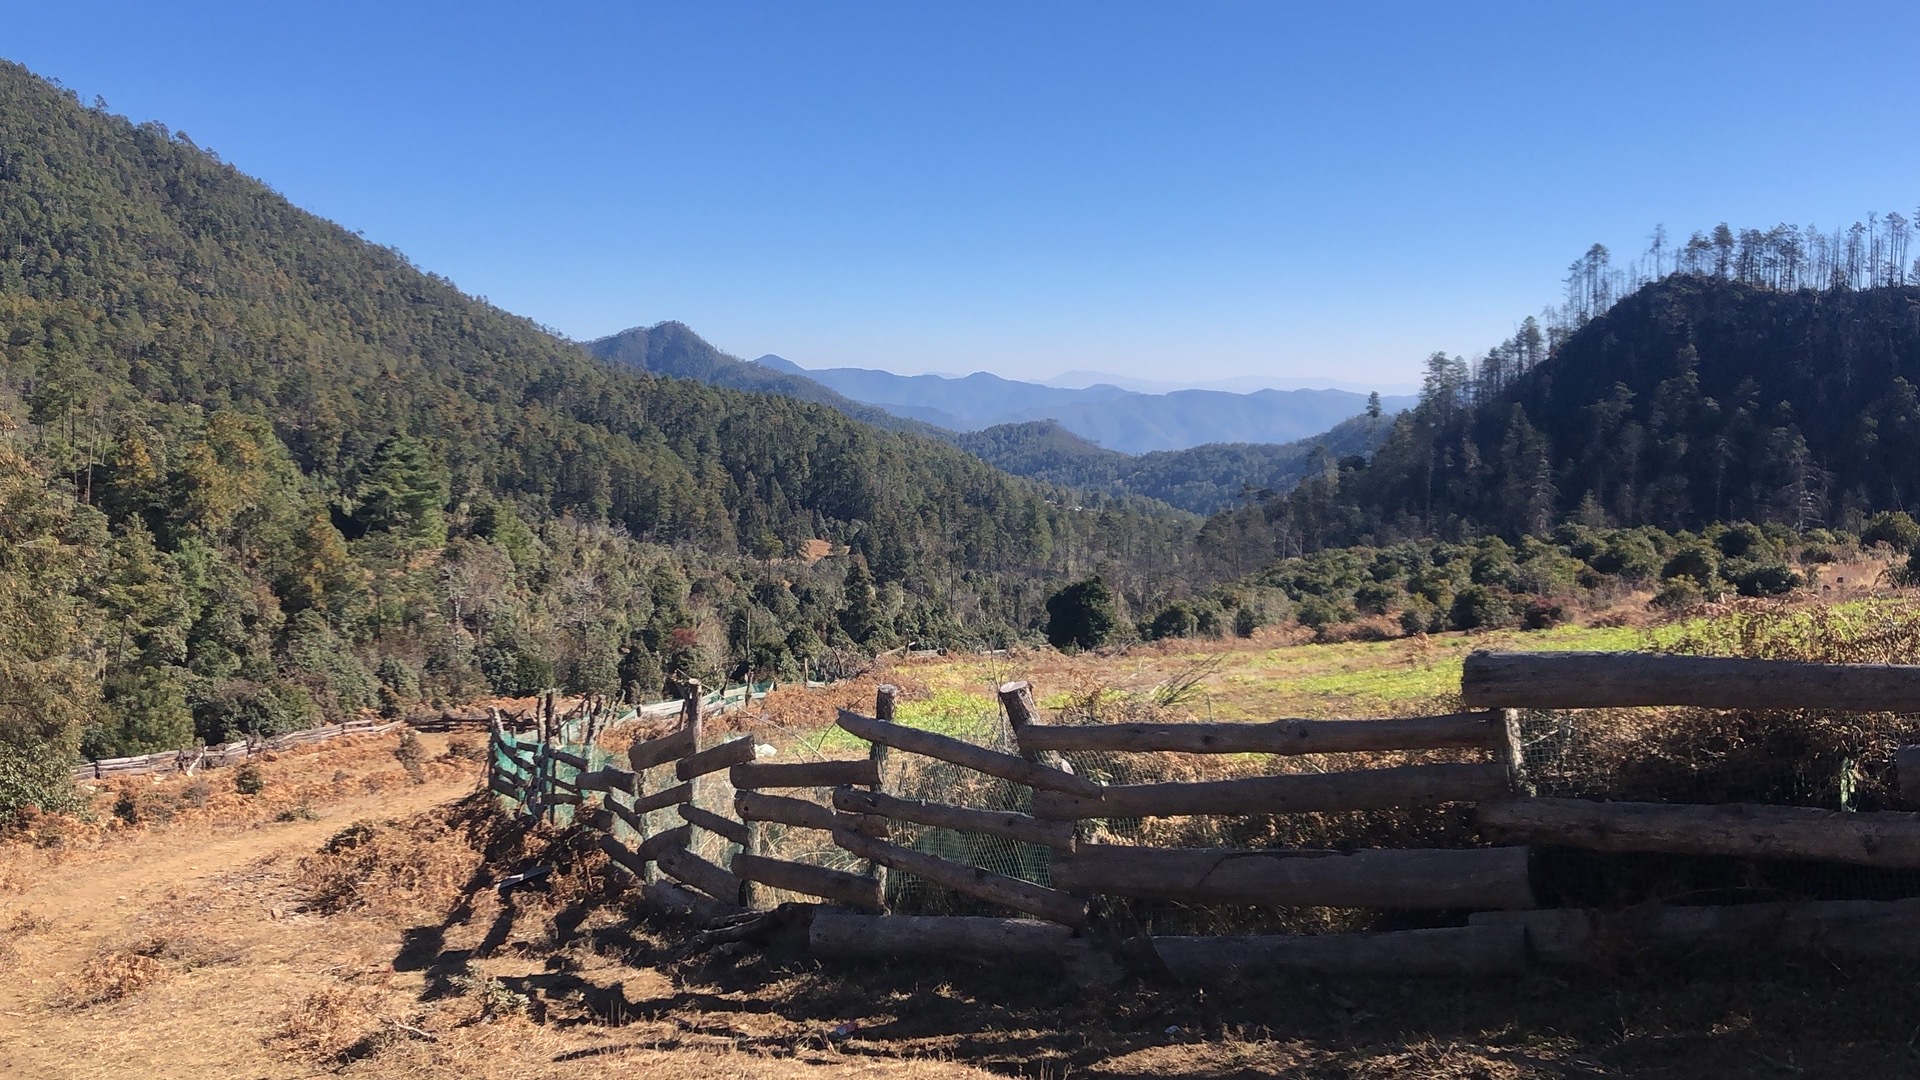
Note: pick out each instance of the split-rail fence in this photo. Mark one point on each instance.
(1502, 926)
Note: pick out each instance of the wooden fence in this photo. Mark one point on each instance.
(1488, 893)
(209, 757)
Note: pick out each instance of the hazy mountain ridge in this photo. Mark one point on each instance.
(1203, 479)
(673, 348)
(1110, 416)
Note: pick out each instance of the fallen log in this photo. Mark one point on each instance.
(1595, 680)
(801, 814)
(804, 774)
(1294, 793)
(642, 756)
(1477, 730)
(1057, 835)
(733, 832)
(967, 755)
(847, 935)
(852, 890)
(1887, 839)
(1864, 929)
(1452, 950)
(1023, 896)
(689, 869)
(715, 758)
(1392, 879)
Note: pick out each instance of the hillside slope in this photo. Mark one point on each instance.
(1203, 479)
(1692, 400)
(256, 470)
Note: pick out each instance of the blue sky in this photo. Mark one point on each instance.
(1176, 191)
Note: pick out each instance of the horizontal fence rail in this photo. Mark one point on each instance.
(1593, 680)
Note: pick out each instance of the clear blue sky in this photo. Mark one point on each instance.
(1168, 190)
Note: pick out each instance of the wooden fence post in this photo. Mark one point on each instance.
(1512, 753)
(884, 699)
(1022, 711)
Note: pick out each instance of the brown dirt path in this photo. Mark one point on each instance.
(187, 952)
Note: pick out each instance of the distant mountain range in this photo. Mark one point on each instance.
(1242, 384)
(1201, 476)
(1111, 417)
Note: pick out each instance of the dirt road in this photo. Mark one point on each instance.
(189, 951)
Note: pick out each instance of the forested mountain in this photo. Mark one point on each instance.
(1203, 479)
(255, 471)
(1110, 417)
(1695, 399)
(672, 348)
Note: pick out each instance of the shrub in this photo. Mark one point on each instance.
(1542, 615)
(1376, 598)
(1083, 615)
(248, 780)
(460, 748)
(1629, 555)
(1478, 607)
(241, 707)
(412, 754)
(1762, 579)
(398, 676)
(1697, 562)
(1320, 612)
(1245, 621)
(1176, 620)
(1895, 528)
(1678, 594)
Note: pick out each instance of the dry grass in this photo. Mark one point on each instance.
(119, 973)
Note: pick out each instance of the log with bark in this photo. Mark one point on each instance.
(714, 758)
(1024, 896)
(1393, 879)
(1593, 680)
(1477, 730)
(762, 774)
(734, 832)
(1293, 793)
(1004, 823)
(853, 890)
(642, 756)
(692, 870)
(1858, 929)
(801, 814)
(1452, 950)
(1887, 839)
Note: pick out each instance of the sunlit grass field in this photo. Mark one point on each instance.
(1275, 679)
